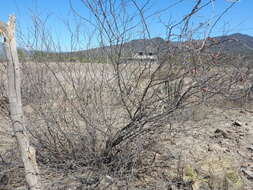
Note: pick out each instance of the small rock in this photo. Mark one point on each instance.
(236, 124)
(248, 173)
(219, 132)
(250, 148)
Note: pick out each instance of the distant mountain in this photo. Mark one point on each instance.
(138, 45)
(235, 43)
(146, 45)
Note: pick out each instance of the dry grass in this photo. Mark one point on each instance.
(72, 109)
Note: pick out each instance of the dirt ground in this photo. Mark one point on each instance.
(216, 143)
(207, 147)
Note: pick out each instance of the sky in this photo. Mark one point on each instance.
(57, 14)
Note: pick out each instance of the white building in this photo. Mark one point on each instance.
(144, 55)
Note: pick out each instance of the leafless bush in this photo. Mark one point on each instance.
(105, 115)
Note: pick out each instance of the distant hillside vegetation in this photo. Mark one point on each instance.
(234, 43)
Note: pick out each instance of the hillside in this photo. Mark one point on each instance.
(230, 44)
(234, 43)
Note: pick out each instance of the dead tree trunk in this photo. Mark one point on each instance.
(16, 111)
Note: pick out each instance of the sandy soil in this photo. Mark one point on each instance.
(212, 135)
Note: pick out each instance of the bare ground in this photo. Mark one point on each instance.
(213, 142)
(211, 149)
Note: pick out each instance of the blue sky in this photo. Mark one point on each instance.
(57, 13)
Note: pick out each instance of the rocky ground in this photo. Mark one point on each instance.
(215, 146)
(212, 150)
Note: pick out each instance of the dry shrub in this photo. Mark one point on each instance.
(73, 114)
(105, 117)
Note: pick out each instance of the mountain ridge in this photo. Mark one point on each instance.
(233, 43)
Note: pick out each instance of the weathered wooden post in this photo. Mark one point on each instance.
(16, 112)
